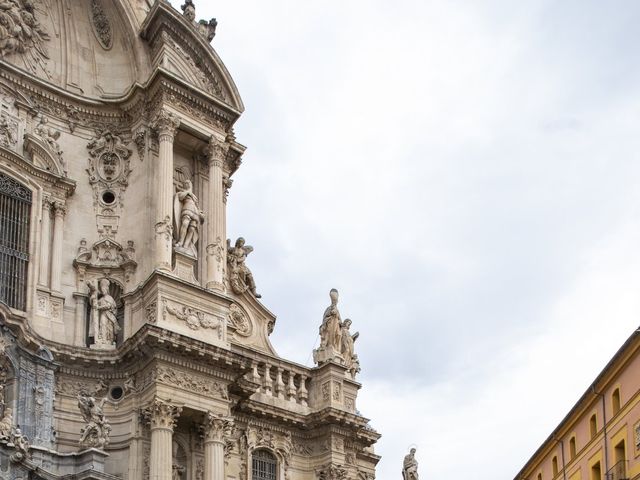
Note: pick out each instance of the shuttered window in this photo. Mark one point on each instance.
(15, 214)
(264, 465)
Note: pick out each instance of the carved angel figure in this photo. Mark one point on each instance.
(95, 434)
(50, 136)
(410, 466)
(187, 218)
(240, 277)
(103, 322)
(21, 443)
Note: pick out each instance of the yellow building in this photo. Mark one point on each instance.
(599, 439)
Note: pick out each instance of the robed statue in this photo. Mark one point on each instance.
(330, 331)
(187, 218)
(103, 325)
(410, 466)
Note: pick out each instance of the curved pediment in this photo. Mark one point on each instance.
(180, 46)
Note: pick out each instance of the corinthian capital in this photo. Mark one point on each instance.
(165, 124)
(59, 209)
(217, 427)
(161, 414)
(217, 151)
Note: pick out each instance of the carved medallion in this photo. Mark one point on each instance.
(239, 322)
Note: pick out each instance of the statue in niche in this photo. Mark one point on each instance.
(187, 218)
(177, 471)
(240, 277)
(410, 466)
(95, 434)
(103, 321)
(346, 349)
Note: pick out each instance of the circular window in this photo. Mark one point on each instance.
(116, 393)
(108, 197)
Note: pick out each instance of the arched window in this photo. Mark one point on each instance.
(15, 215)
(593, 425)
(263, 465)
(615, 400)
(554, 466)
(572, 448)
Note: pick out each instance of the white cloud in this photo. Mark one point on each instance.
(466, 174)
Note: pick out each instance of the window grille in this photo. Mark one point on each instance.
(264, 465)
(15, 215)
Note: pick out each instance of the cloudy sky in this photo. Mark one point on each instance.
(466, 173)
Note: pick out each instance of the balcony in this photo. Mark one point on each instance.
(618, 471)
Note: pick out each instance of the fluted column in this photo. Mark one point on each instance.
(216, 429)
(45, 241)
(56, 247)
(216, 234)
(161, 417)
(166, 124)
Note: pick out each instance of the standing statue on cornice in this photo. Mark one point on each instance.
(187, 218)
(349, 357)
(206, 29)
(410, 466)
(240, 277)
(330, 333)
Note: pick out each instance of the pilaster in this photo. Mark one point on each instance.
(56, 247)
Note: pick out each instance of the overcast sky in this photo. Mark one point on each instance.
(467, 174)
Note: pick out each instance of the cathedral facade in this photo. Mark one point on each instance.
(133, 342)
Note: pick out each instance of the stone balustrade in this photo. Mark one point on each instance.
(281, 382)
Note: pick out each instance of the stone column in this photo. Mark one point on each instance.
(216, 429)
(56, 247)
(216, 234)
(166, 124)
(45, 241)
(161, 417)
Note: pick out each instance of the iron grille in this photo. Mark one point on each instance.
(264, 465)
(15, 213)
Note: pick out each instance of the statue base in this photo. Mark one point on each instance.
(327, 354)
(184, 265)
(97, 346)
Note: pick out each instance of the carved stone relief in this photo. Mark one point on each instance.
(190, 382)
(109, 169)
(22, 34)
(331, 472)
(106, 256)
(239, 322)
(195, 319)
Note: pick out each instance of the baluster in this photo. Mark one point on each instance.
(303, 395)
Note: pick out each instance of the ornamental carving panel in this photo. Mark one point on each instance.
(195, 319)
(190, 382)
(101, 25)
(239, 322)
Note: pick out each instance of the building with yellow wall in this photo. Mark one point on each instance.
(599, 439)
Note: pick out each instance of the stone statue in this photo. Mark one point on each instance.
(21, 443)
(95, 434)
(177, 471)
(189, 10)
(6, 425)
(346, 350)
(330, 333)
(240, 277)
(410, 466)
(187, 218)
(7, 135)
(51, 136)
(104, 323)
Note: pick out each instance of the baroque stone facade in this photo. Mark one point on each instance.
(133, 342)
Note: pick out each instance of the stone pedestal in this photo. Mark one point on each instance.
(326, 354)
(184, 265)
